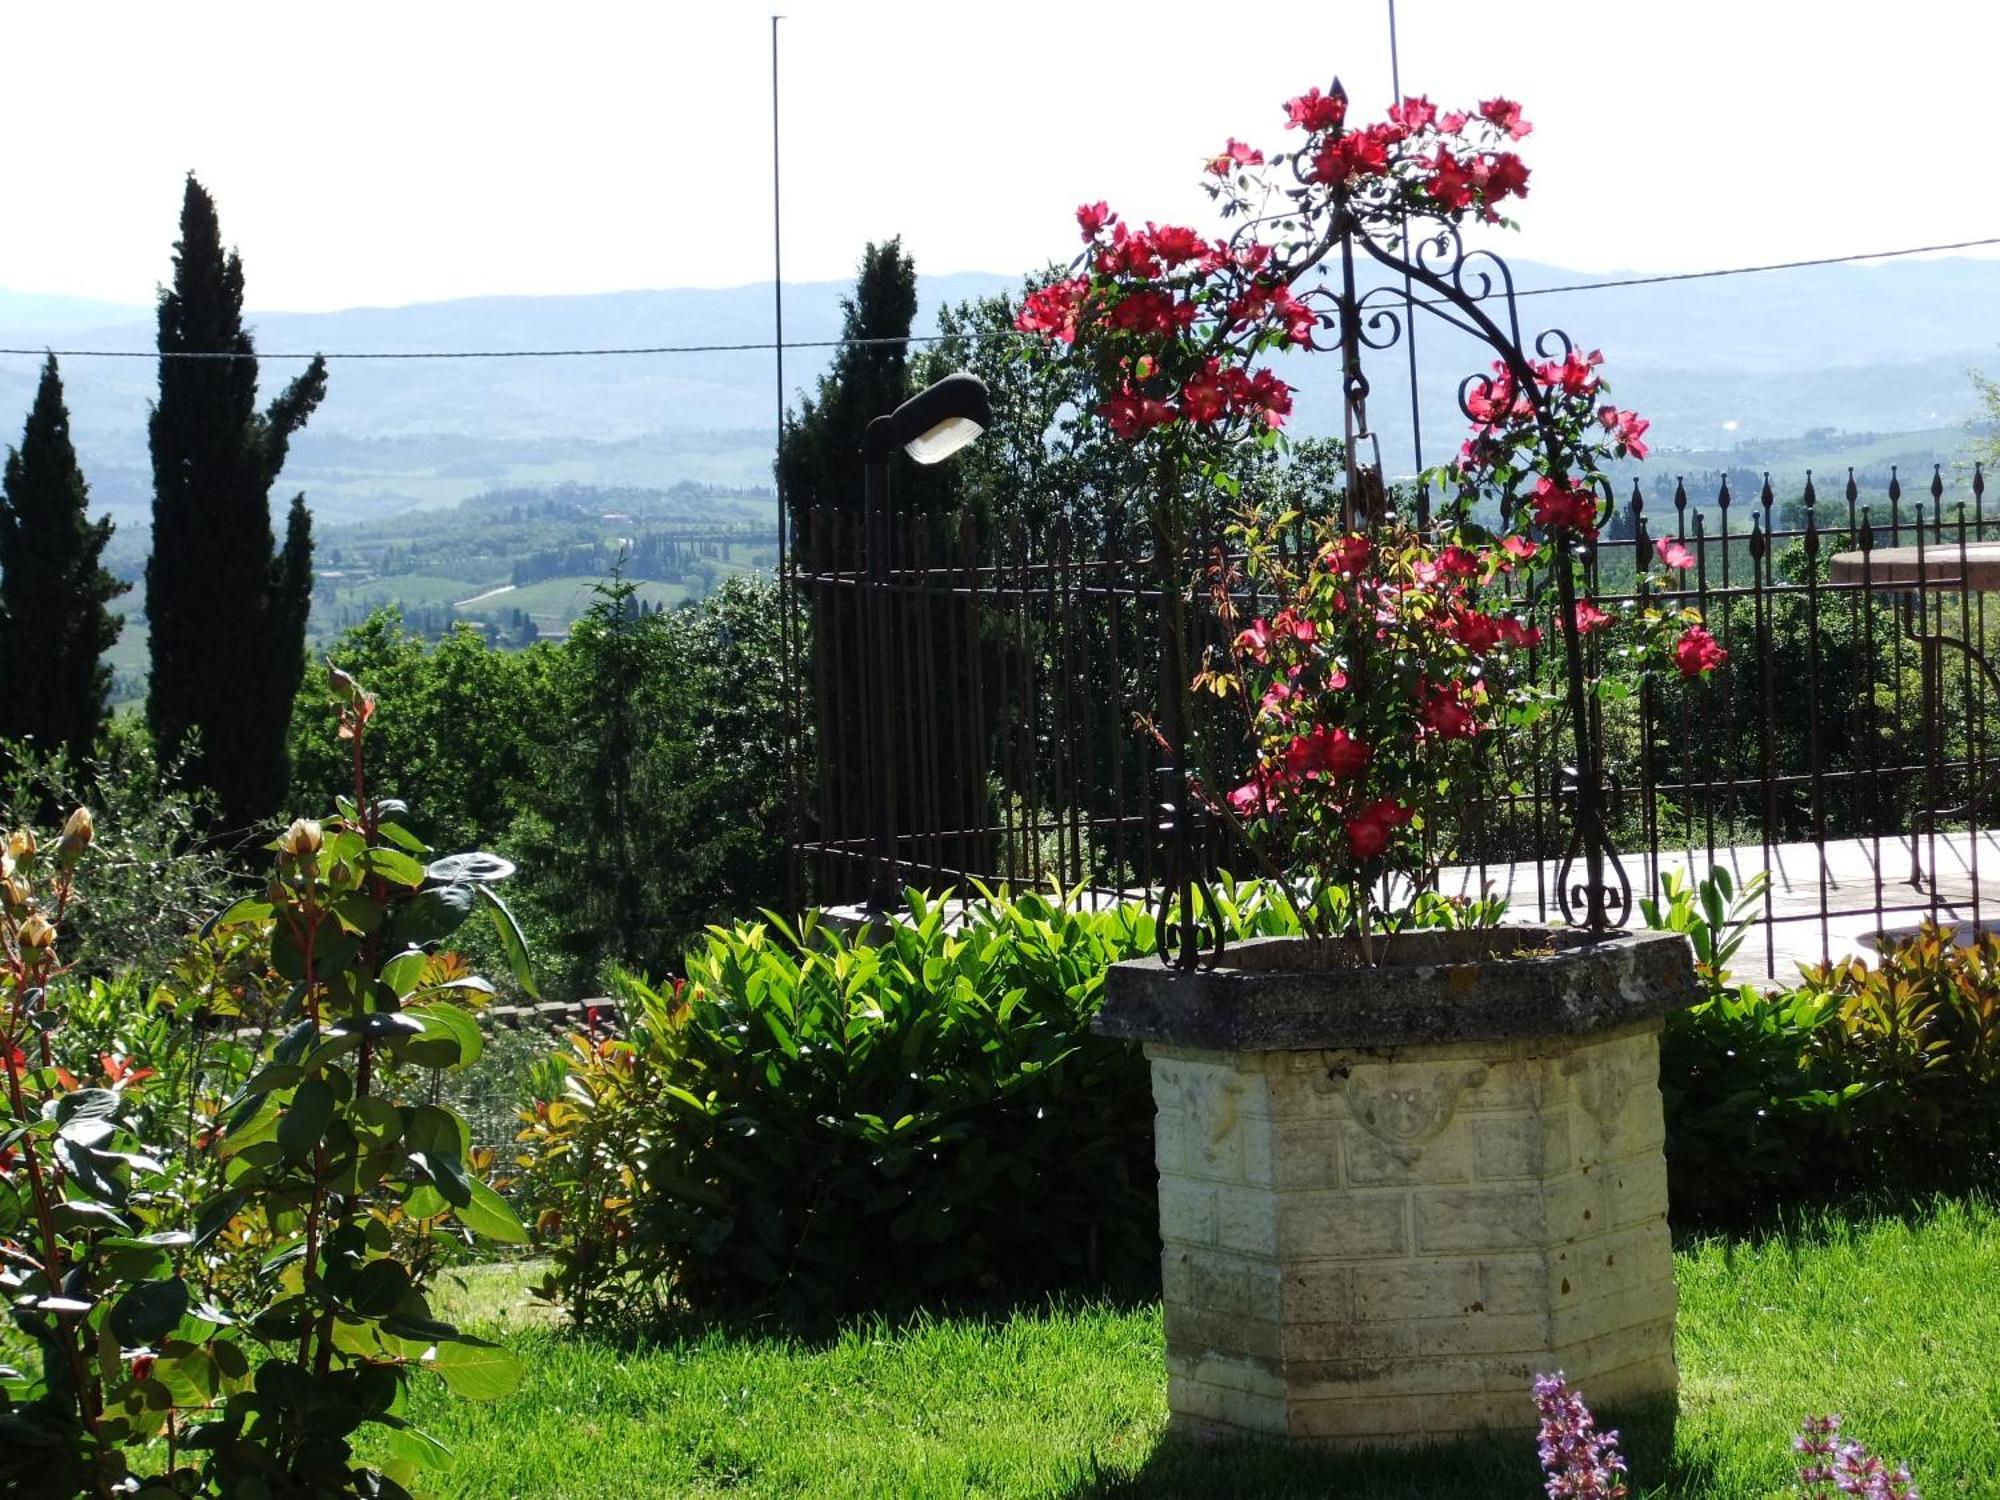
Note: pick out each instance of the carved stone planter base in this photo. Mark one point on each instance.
(1386, 1244)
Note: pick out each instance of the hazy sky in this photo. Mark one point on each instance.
(371, 153)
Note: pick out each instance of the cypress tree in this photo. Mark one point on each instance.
(55, 620)
(819, 454)
(227, 608)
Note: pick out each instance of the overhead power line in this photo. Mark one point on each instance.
(766, 345)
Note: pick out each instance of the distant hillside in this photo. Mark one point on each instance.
(1880, 348)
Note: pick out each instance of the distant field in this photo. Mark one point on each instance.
(409, 589)
(554, 602)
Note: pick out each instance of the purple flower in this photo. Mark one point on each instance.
(1581, 1462)
(1839, 1466)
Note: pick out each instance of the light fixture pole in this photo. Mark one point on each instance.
(930, 427)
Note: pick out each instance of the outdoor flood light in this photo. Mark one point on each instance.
(935, 423)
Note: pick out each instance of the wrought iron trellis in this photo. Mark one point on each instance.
(1472, 291)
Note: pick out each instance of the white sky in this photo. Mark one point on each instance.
(368, 153)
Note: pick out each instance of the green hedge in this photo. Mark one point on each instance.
(811, 1120)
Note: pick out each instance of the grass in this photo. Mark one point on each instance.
(1891, 1320)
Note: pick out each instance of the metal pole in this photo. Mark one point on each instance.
(787, 603)
(1409, 302)
(883, 891)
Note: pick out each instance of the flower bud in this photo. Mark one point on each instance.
(302, 839)
(37, 932)
(21, 843)
(80, 828)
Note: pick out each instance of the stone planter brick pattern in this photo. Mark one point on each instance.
(1389, 1200)
(1381, 1245)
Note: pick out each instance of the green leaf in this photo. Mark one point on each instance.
(437, 1132)
(148, 1312)
(401, 837)
(393, 865)
(304, 1123)
(251, 909)
(489, 1216)
(512, 943)
(412, 1445)
(402, 972)
(431, 915)
(451, 1038)
(477, 1370)
(452, 1180)
(215, 1216)
(294, 1045)
(377, 1289)
(190, 1375)
(425, 1202)
(82, 1213)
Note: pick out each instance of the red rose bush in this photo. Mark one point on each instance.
(1381, 655)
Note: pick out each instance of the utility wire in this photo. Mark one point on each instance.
(766, 345)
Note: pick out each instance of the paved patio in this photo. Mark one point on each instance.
(1824, 901)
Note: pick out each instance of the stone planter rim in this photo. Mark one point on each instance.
(1437, 988)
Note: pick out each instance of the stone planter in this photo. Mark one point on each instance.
(1390, 1197)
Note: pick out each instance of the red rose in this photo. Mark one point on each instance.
(1449, 182)
(1476, 632)
(1359, 153)
(1349, 555)
(1576, 375)
(1175, 244)
(1148, 310)
(1506, 177)
(1456, 562)
(1234, 154)
(1092, 217)
(1202, 399)
(1053, 309)
(1589, 618)
(1627, 428)
(1445, 712)
(1368, 829)
(1300, 321)
(1315, 111)
(1131, 414)
(1504, 114)
(1697, 653)
(1269, 398)
(1254, 640)
(1559, 505)
(1673, 554)
(1277, 695)
(1326, 752)
(1253, 798)
(1519, 547)
(1290, 622)
(1414, 113)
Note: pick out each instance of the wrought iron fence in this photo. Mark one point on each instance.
(984, 697)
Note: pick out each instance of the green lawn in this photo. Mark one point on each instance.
(1895, 1323)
